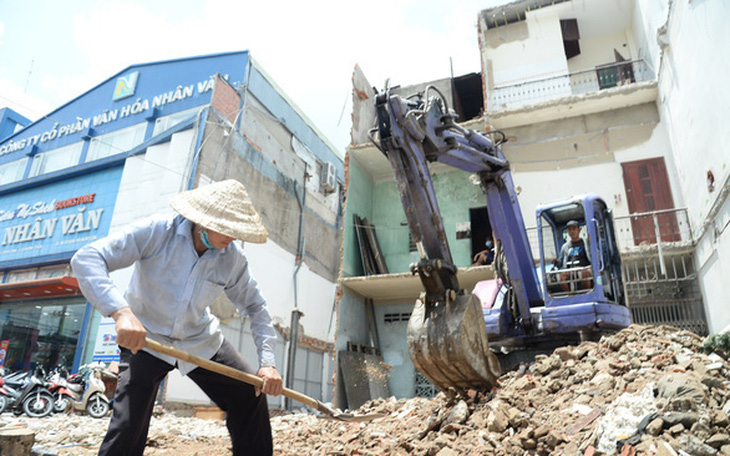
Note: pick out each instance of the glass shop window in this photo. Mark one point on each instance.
(53, 160)
(116, 142)
(40, 333)
(12, 171)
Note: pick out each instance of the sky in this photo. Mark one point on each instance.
(52, 51)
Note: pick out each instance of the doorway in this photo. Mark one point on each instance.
(648, 191)
(481, 229)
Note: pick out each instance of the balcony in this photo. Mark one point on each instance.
(657, 252)
(603, 77)
(639, 232)
(610, 86)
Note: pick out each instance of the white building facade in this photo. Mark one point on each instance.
(623, 98)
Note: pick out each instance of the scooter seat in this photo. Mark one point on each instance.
(75, 387)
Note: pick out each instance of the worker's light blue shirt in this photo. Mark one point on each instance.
(172, 286)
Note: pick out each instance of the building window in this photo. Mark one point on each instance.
(24, 275)
(571, 37)
(12, 171)
(40, 334)
(308, 372)
(116, 142)
(53, 160)
(164, 123)
(395, 317)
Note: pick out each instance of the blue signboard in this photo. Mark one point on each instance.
(138, 94)
(54, 220)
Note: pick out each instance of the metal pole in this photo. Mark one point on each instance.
(293, 342)
(296, 313)
(659, 245)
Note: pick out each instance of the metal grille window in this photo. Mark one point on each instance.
(394, 317)
(424, 388)
(411, 243)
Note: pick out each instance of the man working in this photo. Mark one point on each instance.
(574, 254)
(182, 263)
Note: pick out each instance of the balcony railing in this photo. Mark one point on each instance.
(683, 314)
(636, 231)
(640, 231)
(581, 82)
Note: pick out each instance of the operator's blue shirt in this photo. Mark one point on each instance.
(172, 286)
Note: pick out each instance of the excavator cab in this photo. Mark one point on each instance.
(587, 268)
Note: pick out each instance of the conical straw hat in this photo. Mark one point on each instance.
(223, 207)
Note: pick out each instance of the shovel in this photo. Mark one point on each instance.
(257, 381)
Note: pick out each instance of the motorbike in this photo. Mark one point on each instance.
(83, 391)
(25, 392)
(57, 379)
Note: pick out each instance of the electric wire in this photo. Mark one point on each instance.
(100, 139)
(282, 208)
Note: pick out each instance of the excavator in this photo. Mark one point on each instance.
(454, 340)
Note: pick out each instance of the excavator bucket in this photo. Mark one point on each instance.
(448, 344)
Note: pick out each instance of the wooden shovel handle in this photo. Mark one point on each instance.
(229, 372)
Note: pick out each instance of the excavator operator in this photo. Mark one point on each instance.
(574, 254)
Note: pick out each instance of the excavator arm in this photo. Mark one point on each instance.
(446, 334)
(448, 330)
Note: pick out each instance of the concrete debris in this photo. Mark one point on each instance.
(77, 433)
(623, 416)
(642, 391)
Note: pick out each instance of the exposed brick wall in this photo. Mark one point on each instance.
(225, 99)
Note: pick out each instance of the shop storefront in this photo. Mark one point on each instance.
(41, 333)
(43, 315)
(80, 172)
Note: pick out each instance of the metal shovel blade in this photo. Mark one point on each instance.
(256, 381)
(448, 344)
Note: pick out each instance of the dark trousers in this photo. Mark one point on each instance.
(140, 375)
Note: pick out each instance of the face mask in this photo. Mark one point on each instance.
(204, 239)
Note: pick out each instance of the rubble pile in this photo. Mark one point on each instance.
(642, 391)
(77, 433)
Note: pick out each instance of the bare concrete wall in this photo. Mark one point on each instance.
(363, 100)
(227, 154)
(502, 35)
(580, 141)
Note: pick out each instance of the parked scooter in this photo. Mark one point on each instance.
(82, 392)
(58, 379)
(4, 396)
(26, 392)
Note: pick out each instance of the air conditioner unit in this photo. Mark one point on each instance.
(328, 178)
